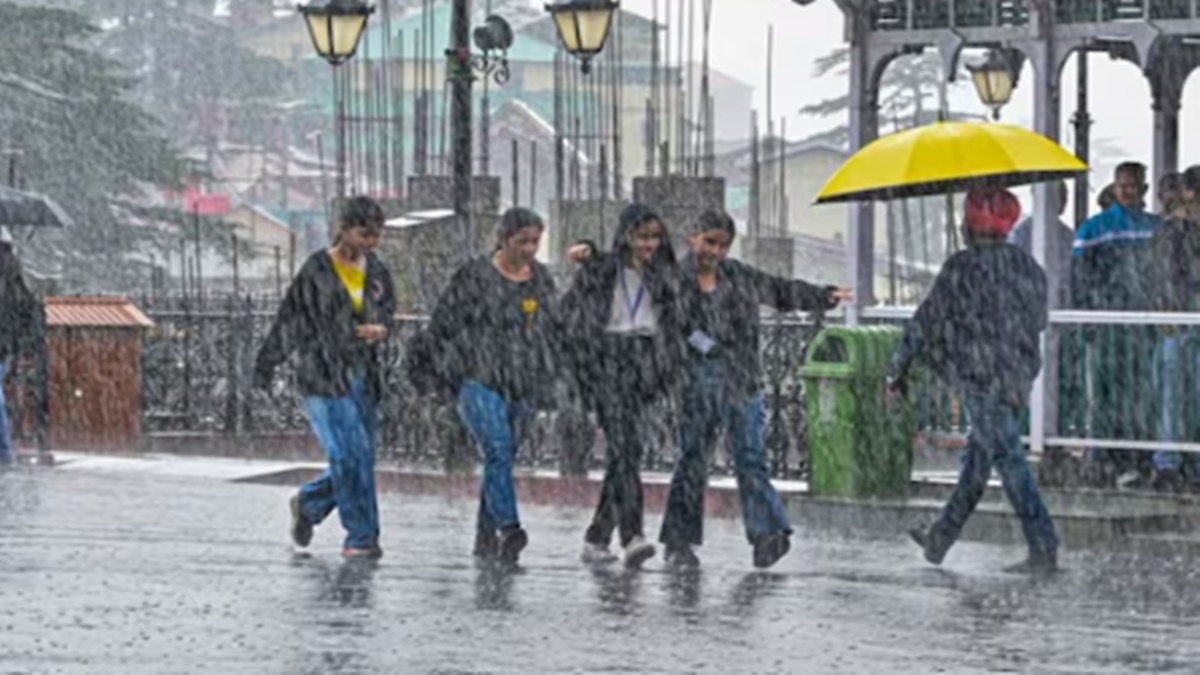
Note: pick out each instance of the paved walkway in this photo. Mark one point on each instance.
(111, 565)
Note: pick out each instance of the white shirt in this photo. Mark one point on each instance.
(633, 311)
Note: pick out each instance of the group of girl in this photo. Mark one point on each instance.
(637, 326)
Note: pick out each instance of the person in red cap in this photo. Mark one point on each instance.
(979, 331)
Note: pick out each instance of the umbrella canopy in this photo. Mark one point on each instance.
(28, 209)
(948, 157)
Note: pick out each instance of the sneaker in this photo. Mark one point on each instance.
(302, 530)
(682, 557)
(637, 552)
(769, 549)
(924, 540)
(369, 553)
(595, 554)
(1034, 567)
(1128, 480)
(487, 545)
(512, 541)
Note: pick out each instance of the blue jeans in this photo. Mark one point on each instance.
(707, 406)
(995, 440)
(494, 423)
(1170, 371)
(6, 446)
(346, 427)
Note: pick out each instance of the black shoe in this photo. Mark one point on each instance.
(924, 539)
(681, 556)
(487, 545)
(1035, 567)
(770, 548)
(1169, 480)
(512, 541)
(302, 530)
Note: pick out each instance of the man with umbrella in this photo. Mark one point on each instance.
(979, 330)
(16, 315)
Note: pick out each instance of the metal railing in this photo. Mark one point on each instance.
(198, 362)
(1125, 381)
(910, 15)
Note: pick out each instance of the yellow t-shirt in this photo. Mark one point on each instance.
(354, 278)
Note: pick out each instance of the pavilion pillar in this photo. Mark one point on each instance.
(864, 128)
(1044, 399)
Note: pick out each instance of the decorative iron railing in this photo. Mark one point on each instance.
(198, 361)
(908, 15)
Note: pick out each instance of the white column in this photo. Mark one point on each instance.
(864, 128)
(1166, 127)
(1047, 111)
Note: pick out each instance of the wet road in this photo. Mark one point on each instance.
(125, 571)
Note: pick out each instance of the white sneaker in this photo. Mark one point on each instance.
(595, 554)
(1127, 480)
(637, 552)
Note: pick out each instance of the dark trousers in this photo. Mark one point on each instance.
(995, 441)
(628, 389)
(708, 405)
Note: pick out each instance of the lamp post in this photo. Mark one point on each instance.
(336, 27)
(494, 36)
(994, 80)
(1082, 120)
(583, 27)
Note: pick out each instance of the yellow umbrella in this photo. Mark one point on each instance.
(948, 157)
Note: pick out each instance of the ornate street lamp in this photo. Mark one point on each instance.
(495, 35)
(336, 27)
(583, 27)
(994, 80)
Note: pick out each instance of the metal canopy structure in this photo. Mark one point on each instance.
(1160, 37)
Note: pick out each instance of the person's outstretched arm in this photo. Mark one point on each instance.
(790, 295)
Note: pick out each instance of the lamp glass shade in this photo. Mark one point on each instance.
(336, 28)
(583, 25)
(995, 87)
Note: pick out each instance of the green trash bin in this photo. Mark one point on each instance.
(859, 443)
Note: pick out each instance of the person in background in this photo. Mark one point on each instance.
(17, 306)
(1170, 193)
(979, 330)
(1173, 271)
(622, 324)
(1107, 275)
(336, 316)
(497, 322)
(721, 298)
(1107, 198)
(1022, 236)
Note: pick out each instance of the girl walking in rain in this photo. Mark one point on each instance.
(720, 303)
(979, 329)
(497, 324)
(338, 312)
(623, 326)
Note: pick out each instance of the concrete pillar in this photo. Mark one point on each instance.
(1167, 96)
(864, 128)
(1047, 111)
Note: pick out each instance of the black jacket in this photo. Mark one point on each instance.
(979, 328)
(17, 306)
(587, 309)
(741, 291)
(1172, 268)
(496, 332)
(317, 321)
